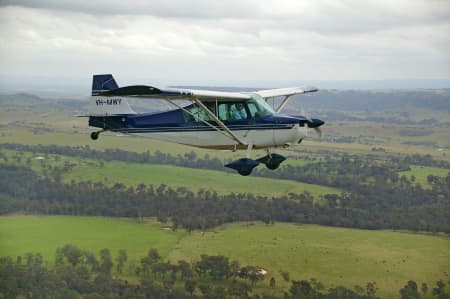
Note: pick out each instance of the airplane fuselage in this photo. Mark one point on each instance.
(215, 119)
(273, 130)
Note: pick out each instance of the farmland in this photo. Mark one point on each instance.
(335, 256)
(369, 170)
(132, 174)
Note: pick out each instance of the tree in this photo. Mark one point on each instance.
(285, 275)
(239, 289)
(106, 263)
(235, 268)
(185, 269)
(121, 259)
(150, 260)
(189, 286)
(410, 291)
(371, 289)
(359, 290)
(317, 285)
(252, 273)
(424, 289)
(91, 260)
(439, 290)
(153, 254)
(301, 289)
(59, 257)
(72, 254)
(217, 266)
(272, 282)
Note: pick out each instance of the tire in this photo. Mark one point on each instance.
(94, 135)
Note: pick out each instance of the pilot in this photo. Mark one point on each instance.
(239, 112)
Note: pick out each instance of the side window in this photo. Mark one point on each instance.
(232, 111)
(224, 111)
(238, 111)
(197, 114)
(254, 112)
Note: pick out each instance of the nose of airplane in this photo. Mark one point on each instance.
(315, 123)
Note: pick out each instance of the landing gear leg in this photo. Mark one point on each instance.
(249, 151)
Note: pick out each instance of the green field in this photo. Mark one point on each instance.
(133, 174)
(194, 179)
(334, 256)
(421, 173)
(43, 234)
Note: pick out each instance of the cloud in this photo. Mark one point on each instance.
(245, 39)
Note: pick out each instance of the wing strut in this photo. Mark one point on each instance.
(218, 121)
(285, 101)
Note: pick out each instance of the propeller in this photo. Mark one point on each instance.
(315, 124)
(318, 131)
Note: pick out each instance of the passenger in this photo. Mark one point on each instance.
(239, 112)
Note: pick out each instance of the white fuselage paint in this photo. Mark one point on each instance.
(214, 139)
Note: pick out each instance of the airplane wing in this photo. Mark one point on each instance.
(198, 96)
(144, 91)
(150, 92)
(290, 91)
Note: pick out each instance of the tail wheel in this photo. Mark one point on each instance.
(94, 135)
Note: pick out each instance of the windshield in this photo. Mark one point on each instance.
(258, 107)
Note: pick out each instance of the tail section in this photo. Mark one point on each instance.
(101, 83)
(107, 105)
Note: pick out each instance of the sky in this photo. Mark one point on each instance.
(224, 41)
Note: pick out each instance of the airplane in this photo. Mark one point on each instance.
(213, 120)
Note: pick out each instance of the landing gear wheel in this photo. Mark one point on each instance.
(272, 161)
(272, 164)
(94, 135)
(244, 172)
(243, 166)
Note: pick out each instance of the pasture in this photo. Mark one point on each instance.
(43, 234)
(133, 174)
(421, 173)
(334, 256)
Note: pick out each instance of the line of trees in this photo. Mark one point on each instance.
(392, 206)
(192, 160)
(79, 273)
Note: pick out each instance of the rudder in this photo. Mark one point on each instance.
(107, 105)
(101, 83)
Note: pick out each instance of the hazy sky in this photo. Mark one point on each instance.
(226, 40)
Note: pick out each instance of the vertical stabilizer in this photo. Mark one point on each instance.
(107, 105)
(101, 83)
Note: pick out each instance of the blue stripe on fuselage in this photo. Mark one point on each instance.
(173, 121)
(200, 128)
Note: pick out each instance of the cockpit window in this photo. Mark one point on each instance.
(232, 111)
(258, 107)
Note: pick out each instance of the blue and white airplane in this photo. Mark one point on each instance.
(214, 119)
